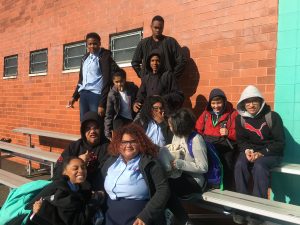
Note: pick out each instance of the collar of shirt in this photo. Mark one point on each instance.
(132, 161)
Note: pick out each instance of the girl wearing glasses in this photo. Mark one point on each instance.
(152, 119)
(136, 185)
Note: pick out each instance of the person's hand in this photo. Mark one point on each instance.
(249, 154)
(159, 116)
(256, 155)
(137, 106)
(101, 111)
(71, 103)
(173, 164)
(138, 222)
(37, 206)
(223, 131)
(85, 156)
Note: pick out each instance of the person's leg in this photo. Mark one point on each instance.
(242, 174)
(227, 158)
(120, 122)
(93, 101)
(180, 187)
(184, 185)
(84, 103)
(261, 174)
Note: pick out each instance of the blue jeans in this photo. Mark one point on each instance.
(260, 171)
(88, 102)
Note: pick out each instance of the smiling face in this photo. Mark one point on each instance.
(92, 132)
(129, 147)
(76, 171)
(217, 104)
(252, 105)
(93, 45)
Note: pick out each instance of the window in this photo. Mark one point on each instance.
(73, 53)
(38, 61)
(124, 44)
(10, 66)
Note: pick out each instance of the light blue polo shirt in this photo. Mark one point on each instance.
(126, 180)
(92, 78)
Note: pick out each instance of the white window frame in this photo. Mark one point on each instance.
(42, 72)
(70, 45)
(113, 37)
(7, 76)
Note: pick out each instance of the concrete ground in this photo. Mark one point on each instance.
(199, 216)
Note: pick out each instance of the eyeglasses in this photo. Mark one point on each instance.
(157, 108)
(252, 101)
(131, 142)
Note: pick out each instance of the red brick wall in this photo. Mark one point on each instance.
(231, 44)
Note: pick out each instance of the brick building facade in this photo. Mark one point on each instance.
(231, 44)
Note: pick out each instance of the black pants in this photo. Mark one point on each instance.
(228, 158)
(260, 171)
(120, 121)
(182, 186)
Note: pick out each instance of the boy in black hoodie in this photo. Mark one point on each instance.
(160, 83)
(261, 141)
(91, 148)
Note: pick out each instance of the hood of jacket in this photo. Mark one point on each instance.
(92, 116)
(249, 92)
(157, 53)
(216, 92)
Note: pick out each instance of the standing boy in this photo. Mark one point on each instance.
(172, 58)
(157, 82)
(119, 103)
(94, 77)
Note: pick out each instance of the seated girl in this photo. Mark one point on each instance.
(136, 184)
(152, 119)
(66, 201)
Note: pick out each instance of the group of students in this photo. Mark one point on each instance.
(119, 164)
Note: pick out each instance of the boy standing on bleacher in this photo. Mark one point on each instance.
(261, 141)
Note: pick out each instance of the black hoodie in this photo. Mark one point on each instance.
(98, 153)
(163, 84)
(62, 206)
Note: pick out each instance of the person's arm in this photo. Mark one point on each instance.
(109, 116)
(275, 146)
(241, 136)
(140, 98)
(180, 59)
(137, 59)
(200, 124)
(231, 126)
(200, 163)
(174, 97)
(76, 94)
(156, 204)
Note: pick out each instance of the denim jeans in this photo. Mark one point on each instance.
(88, 102)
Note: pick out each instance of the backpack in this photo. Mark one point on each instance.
(268, 118)
(18, 199)
(214, 174)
